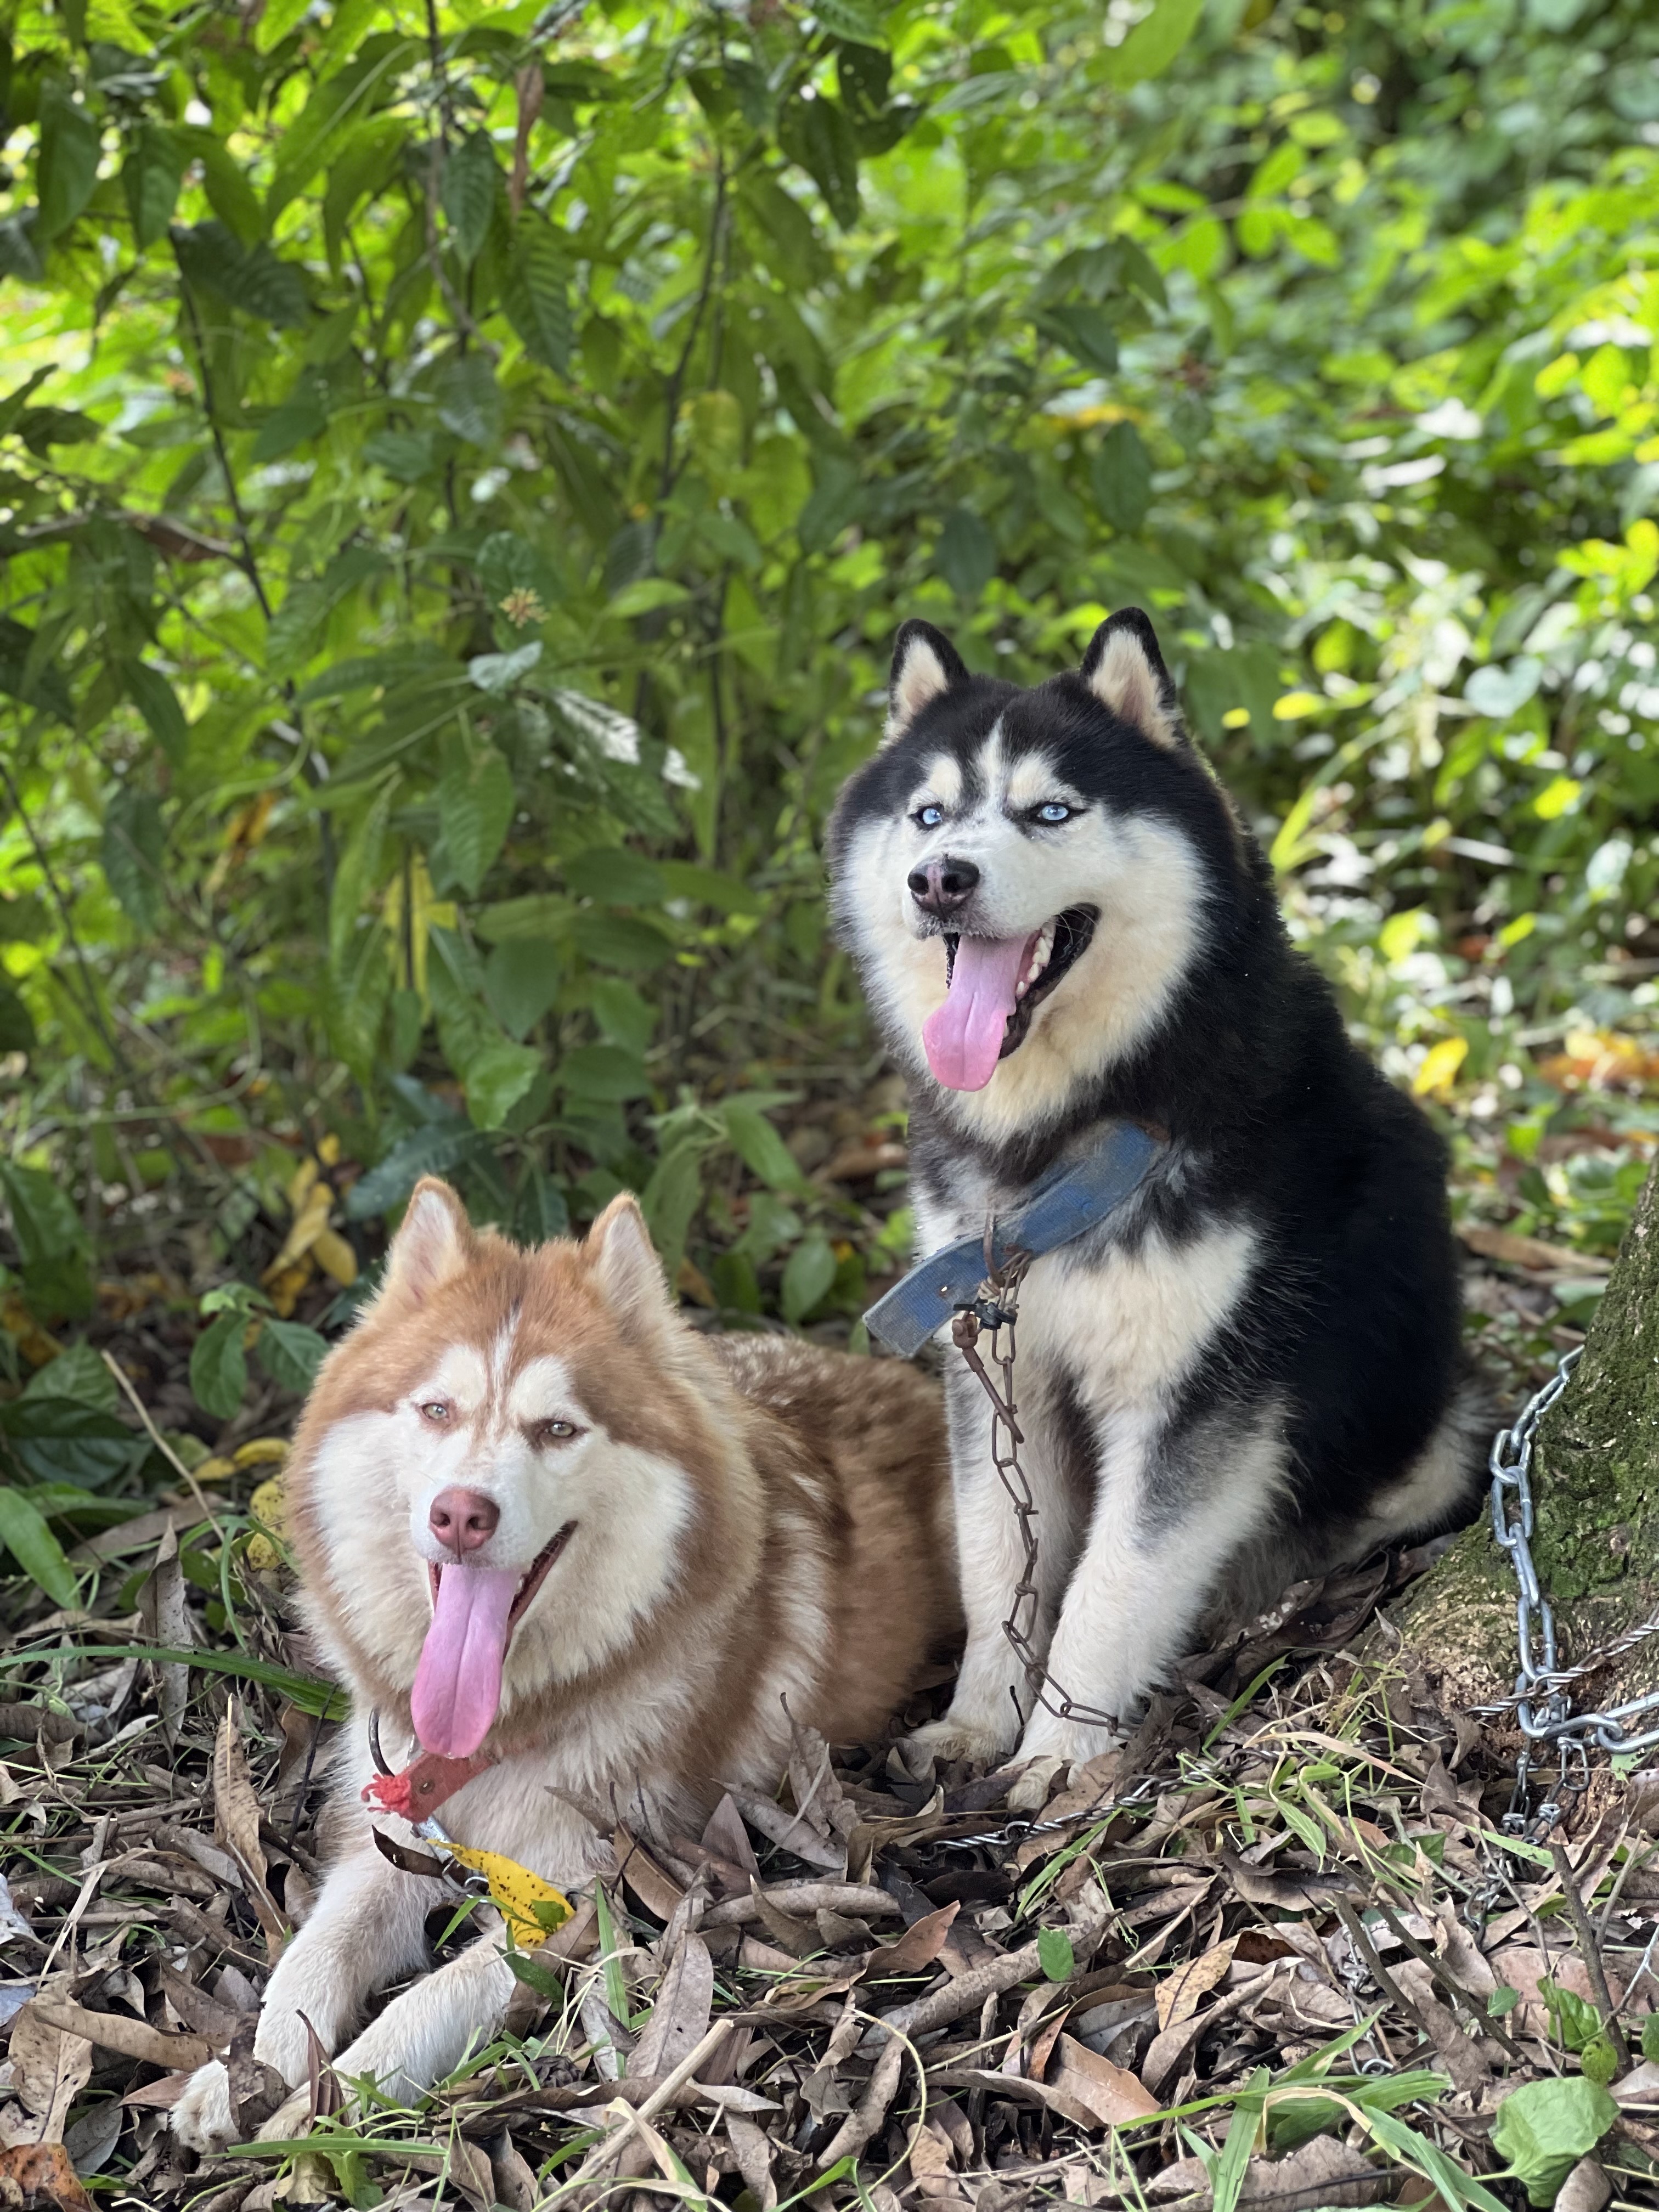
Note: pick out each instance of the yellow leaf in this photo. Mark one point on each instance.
(216, 1469)
(258, 1451)
(300, 1184)
(307, 1226)
(1296, 705)
(268, 1503)
(1434, 1080)
(328, 1150)
(1559, 796)
(516, 1893)
(335, 1257)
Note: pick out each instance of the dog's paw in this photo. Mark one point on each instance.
(953, 1738)
(202, 2119)
(1048, 1737)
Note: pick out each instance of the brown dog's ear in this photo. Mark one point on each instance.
(926, 665)
(1125, 671)
(434, 1241)
(625, 1263)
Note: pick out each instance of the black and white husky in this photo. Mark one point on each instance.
(1252, 1369)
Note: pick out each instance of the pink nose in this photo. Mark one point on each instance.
(461, 1520)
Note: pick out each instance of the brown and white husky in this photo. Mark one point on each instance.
(543, 1522)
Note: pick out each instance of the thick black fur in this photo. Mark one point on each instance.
(1274, 1113)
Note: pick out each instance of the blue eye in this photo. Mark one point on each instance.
(928, 817)
(1054, 811)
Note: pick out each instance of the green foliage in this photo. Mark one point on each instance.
(456, 495)
(1055, 1956)
(1544, 2128)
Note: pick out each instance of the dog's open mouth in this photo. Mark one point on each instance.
(993, 985)
(531, 1581)
(475, 1610)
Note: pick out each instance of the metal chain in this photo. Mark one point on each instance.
(1542, 1709)
(996, 1311)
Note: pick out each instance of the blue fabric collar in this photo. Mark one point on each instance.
(1072, 1197)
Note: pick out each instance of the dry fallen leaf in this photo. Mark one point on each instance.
(49, 2068)
(1179, 1993)
(1110, 2093)
(236, 1823)
(41, 2175)
(920, 1945)
(679, 2018)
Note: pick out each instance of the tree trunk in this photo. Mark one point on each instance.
(1595, 1491)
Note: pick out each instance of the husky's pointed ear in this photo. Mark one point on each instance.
(434, 1241)
(925, 665)
(1125, 671)
(625, 1263)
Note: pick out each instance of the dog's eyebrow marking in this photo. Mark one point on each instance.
(541, 1391)
(941, 782)
(461, 1376)
(1032, 779)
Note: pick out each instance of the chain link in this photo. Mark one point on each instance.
(995, 1312)
(1542, 1709)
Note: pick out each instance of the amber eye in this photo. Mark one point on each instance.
(435, 1410)
(555, 1432)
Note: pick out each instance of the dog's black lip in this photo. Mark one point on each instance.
(1073, 928)
(535, 1575)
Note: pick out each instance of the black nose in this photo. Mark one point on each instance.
(943, 886)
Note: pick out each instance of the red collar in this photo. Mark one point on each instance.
(426, 1783)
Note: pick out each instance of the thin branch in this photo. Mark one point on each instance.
(159, 1441)
(1592, 1954)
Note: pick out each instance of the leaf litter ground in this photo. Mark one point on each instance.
(1277, 1951)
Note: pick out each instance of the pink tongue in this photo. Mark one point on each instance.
(458, 1684)
(964, 1036)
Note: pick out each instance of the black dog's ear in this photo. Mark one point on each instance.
(1125, 671)
(925, 665)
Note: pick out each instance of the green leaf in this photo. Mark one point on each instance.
(1544, 2128)
(404, 454)
(17, 1031)
(475, 805)
(1056, 1954)
(536, 293)
(218, 1366)
(249, 277)
(133, 848)
(1153, 43)
(1650, 2037)
(818, 135)
(621, 940)
(1122, 472)
(522, 977)
(496, 1079)
(1574, 2021)
(357, 876)
(60, 1440)
(1083, 329)
(615, 876)
(468, 193)
(1227, 2179)
(497, 672)
(48, 1232)
(468, 399)
(535, 1975)
(807, 1277)
(22, 677)
(34, 1548)
(290, 1353)
(603, 1072)
(860, 20)
(759, 1147)
(539, 1211)
(68, 159)
(150, 178)
(78, 1374)
(437, 1149)
(671, 1200)
(158, 702)
(966, 556)
(1502, 2001)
